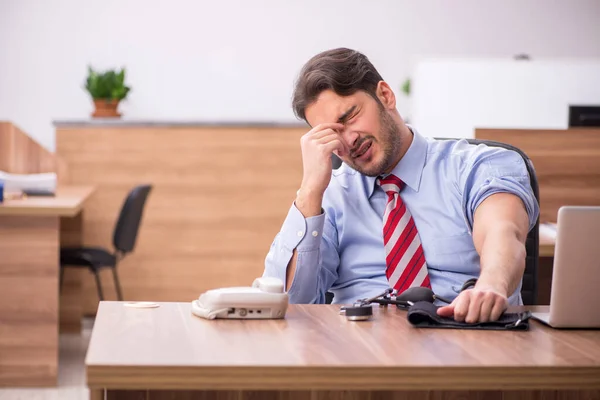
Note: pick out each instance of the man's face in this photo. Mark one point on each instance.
(370, 132)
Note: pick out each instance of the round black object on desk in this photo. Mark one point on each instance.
(359, 313)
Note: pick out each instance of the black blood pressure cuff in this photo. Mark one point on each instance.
(424, 315)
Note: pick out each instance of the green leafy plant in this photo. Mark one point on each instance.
(406, 87)
(107, 85)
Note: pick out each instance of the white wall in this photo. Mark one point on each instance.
(451, 98)
(237, 59)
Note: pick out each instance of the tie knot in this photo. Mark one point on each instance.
(390, 184)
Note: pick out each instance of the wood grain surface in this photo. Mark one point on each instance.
(567, 164)
(220, 196)
(71, 296)
(20, 154)
(67, 202)
(28, 300)
(352, 395)
(168, 348)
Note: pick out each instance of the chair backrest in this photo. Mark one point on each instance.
(529, 289)
(128, 223)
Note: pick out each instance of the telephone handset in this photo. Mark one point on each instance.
(265, 299)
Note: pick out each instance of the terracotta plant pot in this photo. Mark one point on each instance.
(106, 108)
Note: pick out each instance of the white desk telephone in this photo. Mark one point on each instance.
(264, 300)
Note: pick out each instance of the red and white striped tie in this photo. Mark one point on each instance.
(405, 259)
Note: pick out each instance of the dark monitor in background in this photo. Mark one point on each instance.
(584, 116)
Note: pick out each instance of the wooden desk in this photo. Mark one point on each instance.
(315, 353)
(30, 238)
(67, 202)
(545, 266)
(546, 246)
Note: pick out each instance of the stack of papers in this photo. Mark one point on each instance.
(22, 182)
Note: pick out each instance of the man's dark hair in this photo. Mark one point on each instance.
(341, 70)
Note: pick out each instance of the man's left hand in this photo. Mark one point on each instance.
(479, 304)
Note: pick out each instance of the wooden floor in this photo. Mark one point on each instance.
(71, 372)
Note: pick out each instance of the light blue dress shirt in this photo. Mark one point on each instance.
(342, 250)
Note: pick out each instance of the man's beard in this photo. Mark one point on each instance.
(389, 142)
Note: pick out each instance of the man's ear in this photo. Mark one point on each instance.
(386, 95)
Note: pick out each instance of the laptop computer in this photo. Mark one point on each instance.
(575, 292)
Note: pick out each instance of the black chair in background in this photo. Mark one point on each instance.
(124, 239)
(529, 289)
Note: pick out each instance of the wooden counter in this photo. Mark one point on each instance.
(315, 353)
(30, 239)
(220, 194)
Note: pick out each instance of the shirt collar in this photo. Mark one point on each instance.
(410, 167)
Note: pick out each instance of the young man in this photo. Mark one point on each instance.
(403, 210)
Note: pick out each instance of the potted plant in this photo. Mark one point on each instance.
(107, 90)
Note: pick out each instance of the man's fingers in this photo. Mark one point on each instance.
(489, 300)
(446, 311)
(319, 129)
(497, 310)
(462, 306)
(335, 144)
(328, 130)
(344, 150)
(474, 307)
(324, 133)
(315, 136)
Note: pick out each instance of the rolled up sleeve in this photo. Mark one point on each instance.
(496, 170)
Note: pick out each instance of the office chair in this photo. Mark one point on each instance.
(124, 239)
(529, 289)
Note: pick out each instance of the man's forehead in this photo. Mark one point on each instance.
(330, 106)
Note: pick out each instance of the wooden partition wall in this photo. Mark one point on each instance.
(567, 164)
(20, 154)
(219, 196)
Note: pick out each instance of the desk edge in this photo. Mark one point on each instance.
(344, 378)
(52, 211)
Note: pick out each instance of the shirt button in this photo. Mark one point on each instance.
(315, 233)
(300, 233)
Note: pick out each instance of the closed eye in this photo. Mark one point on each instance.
(344, 117)
(352, 116)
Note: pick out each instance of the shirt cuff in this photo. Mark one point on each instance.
(302, 234)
